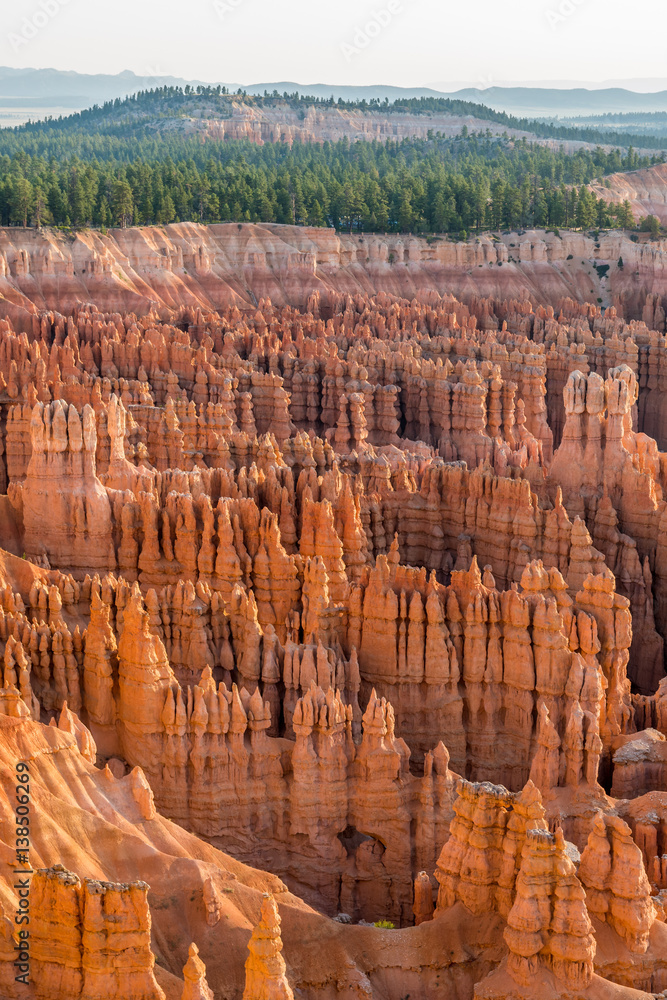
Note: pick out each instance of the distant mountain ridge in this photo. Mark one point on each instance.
(539, 101)
(522, 101)
(56, 84)
(45, 91)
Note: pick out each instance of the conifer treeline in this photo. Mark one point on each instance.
(434, 185)
(170, 101)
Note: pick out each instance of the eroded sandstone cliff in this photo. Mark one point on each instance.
(368, 594)
(183, 266)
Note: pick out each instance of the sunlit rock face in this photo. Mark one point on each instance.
(331, 627)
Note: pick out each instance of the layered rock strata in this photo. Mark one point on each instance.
(346, 591)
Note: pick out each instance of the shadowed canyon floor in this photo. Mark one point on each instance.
(333, 594)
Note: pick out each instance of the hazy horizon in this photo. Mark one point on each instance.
(403, 43)
(646, 85)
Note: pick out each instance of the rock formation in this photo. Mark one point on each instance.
(644, 189)
(617, 888)
(548, 922)
(194, 973)
(480, 862)
(91, 939)
(191, 266)
(366, 587)
(265, 970)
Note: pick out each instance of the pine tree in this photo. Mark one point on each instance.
(512, 207)
(316, 215)
(557, 209)
(650, 225)
(40, 211)
(406, 215)
(20, 201)
(439, 216)
(586, 209)
(541, 210)
(123, 203)
(626, 219)
(103, 215)
(167, 209)
(602, 214)
(482, 194)
(497, 203)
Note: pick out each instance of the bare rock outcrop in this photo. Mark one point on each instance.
(548, 923)
(194, 974)
(91, 938)
(291, 569)
(617, 887)
(266, 977)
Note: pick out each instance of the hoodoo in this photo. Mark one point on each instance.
(333, 514)
(253, 614)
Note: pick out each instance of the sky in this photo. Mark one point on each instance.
(408, 43)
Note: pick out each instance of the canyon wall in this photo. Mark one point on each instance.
(646, 190)
(369, 594)
(282, 123)
(185, 265)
